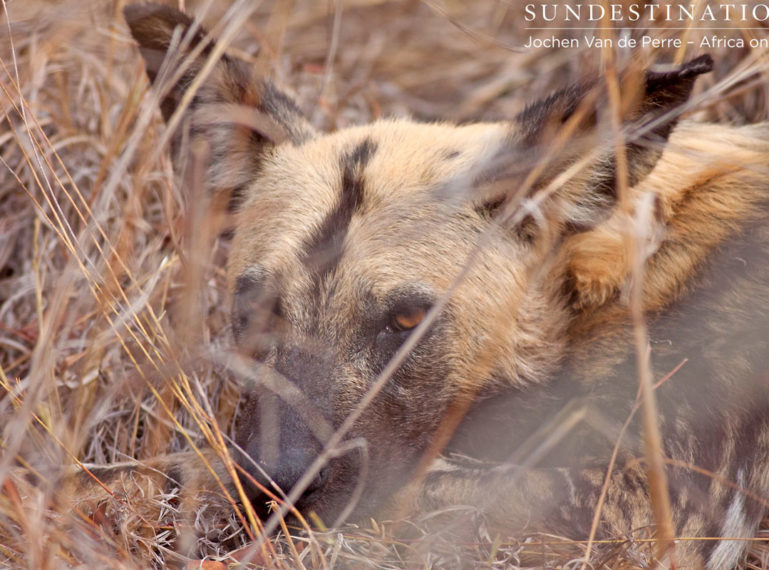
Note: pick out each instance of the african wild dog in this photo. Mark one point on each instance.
(506, 250)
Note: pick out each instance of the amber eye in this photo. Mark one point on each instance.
(408, 320)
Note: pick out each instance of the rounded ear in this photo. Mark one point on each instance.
(650, 107)
(239, 115)
(579, 219)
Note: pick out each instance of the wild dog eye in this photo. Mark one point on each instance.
(405, 308)
(405, 313)
(407, 320)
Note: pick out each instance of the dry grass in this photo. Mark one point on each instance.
(112, 306)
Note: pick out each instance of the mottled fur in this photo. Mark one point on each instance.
(342, 238)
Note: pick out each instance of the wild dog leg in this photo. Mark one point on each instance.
(563, 501)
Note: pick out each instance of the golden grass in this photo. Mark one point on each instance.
(112, 304)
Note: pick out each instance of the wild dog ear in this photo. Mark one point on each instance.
(648, 113)
(240, 116)
(599, 262)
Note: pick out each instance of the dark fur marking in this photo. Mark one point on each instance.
(104, 474)
(174, 479)
(449, 154)
(489, 208)
(284, 110)
(325, 246)
(663, 93)
(552, 112)
(252, 296)
(147, 22)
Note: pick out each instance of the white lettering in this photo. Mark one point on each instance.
(765, 15)
(592, 9)
(663, 10)
(531, 15)
(575, 11)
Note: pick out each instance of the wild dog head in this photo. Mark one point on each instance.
(351, 246)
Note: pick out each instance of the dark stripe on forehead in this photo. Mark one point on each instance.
(325, 246)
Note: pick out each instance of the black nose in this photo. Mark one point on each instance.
(292, 466)
(282, 435)
(285, 473)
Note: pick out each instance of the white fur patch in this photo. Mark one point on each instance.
(727, 553)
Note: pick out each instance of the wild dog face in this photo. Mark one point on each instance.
(346, 242)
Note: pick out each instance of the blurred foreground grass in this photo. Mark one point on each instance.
(113, 312)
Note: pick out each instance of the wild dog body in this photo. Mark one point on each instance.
(707, 326)
(345, 242)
